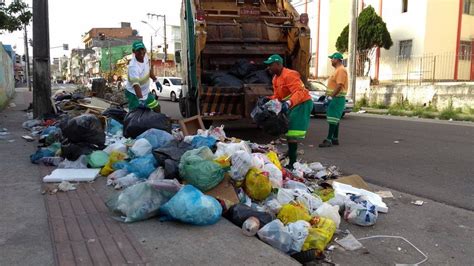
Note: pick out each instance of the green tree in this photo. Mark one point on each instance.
(372, 33)
(14, 16)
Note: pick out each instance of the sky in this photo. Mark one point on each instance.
(69, 19)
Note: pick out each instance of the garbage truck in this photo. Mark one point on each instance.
(220, 36)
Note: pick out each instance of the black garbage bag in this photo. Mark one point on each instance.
(226, 80)
(238, 213)
(117, 113)
(242, 68)
(258, 77)
(85, 129)
(73, 151)
(271, 123)
(141, 119)
(169, 156)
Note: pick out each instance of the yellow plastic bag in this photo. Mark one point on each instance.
(290, 213)
(325, 194)
(320, 234)
(223, 161)
(273, 157)
(257, 185)
(115, 156)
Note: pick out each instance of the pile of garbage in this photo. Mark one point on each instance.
(197, 179)
(242, 72)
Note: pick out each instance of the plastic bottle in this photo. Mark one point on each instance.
(250, 226)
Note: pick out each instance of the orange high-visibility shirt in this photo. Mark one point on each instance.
(288, 86)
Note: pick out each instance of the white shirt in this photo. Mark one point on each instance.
(139, 74)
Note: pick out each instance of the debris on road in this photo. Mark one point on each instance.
(66, 186)
(418, 202)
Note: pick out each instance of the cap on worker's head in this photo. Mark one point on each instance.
(336, 55)
(137, 45)
(274, 59)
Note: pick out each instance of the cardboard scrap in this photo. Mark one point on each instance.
(353, 180)
(190, 126)
(384, 194)
(225, 191)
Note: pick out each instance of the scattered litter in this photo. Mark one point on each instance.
(66, 186)
(399, 248)
(396, 141)
(418, 202)
(12, 105)
(385, 194)
(349, 243)
(361, 111)
(28, 138)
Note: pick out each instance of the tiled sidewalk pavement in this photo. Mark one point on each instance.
(84, 233)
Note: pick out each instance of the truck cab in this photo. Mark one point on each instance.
(217, 34)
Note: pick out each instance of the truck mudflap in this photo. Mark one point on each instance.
(224, 103)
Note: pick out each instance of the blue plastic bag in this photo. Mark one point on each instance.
(200, 141)
(190, 206)
(113, 126)
(198, 169)
(142, 167)
(156, 137)
(45, 152)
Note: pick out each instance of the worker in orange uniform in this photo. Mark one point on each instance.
(296, 102)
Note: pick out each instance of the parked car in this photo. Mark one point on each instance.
(170, 88)
(317, 90)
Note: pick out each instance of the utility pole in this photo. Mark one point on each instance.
(164, 31)
(166, 44)
(353, 48)
(27, 61)
(41, 61)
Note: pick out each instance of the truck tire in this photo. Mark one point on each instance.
(187, 107)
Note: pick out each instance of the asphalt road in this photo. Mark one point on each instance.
(426, 158)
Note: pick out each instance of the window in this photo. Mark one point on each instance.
(468, 7)
(465, 50)
(405, 49)
(404, 6)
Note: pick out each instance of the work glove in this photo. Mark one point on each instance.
(285, 106)
(265, 100)
(142, 103)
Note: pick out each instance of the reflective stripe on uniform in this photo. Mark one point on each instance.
(153, 104)
(296, 133)
(333, 120)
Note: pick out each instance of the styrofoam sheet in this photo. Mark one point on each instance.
(78, 175)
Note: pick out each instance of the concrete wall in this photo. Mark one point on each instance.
(438, 95)
(7, 80)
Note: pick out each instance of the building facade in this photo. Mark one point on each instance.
(432, 39)
(110, 37)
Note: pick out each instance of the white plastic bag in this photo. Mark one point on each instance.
(276, 235)
(303, 168)
(359, 210)
(126, 181)
(310, 201)
(113, 177)
(258, 160)
(241, 163)
(291, 184)
(298, 230)
(156, 175)
(272, 206)
(316, 166)
(118, 146)
(275, 175)
(228, 149)
(330, 212)
(141, 147)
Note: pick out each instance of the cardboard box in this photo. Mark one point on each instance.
(353, 180)
(225, 191)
